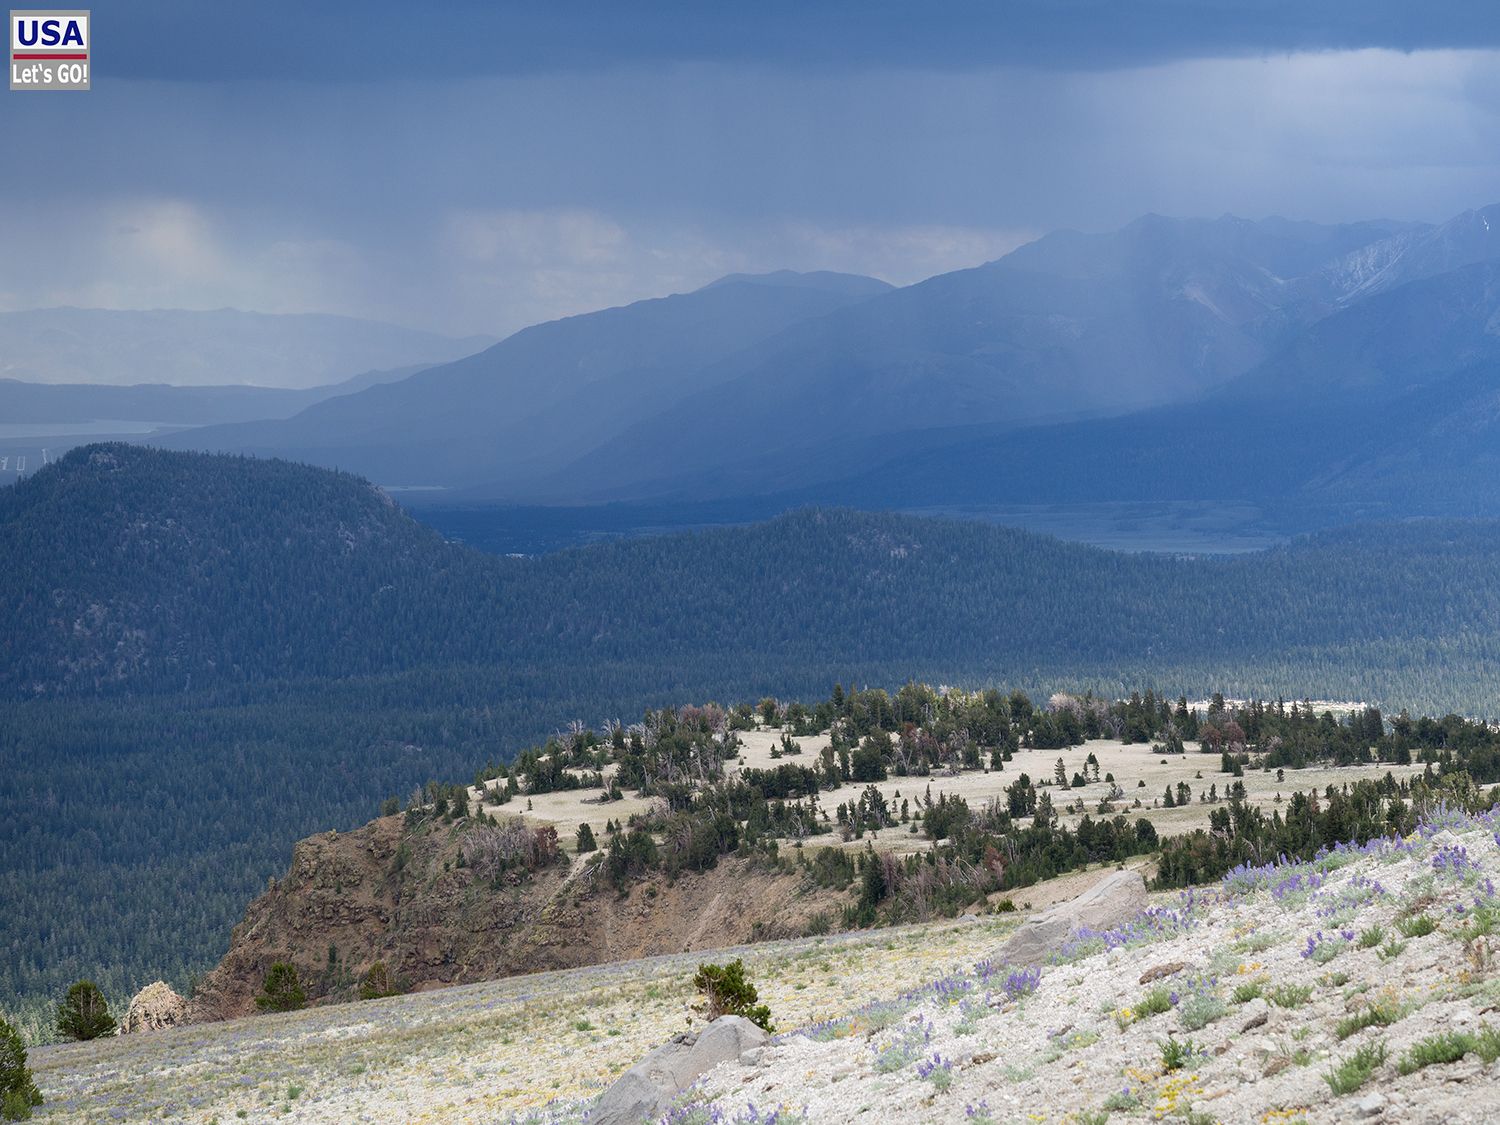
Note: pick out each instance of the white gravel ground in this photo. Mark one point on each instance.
(1081, 1048)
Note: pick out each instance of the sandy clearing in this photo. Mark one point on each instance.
(1130, 763)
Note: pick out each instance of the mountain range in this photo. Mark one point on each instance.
(536, 401)
(1386, 407)
(978, 384)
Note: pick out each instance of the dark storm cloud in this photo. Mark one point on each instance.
(339, 40)
(494, 165)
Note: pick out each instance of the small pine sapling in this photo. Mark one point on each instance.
(726, 992)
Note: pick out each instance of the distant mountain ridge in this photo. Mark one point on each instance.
(533, 402)
(64, 403)
(1418, 252)
(214, 348)
(1387, 407)
(1071, 325)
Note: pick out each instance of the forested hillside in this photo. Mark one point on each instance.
(137, 570)
(208, 657)
(144, 570)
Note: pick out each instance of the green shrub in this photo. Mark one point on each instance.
(1256, 943)
(1382, 1013)
(1369, 939)
(726, 992)
(819, 924)
(18, 1093)
(1483, 921)
(1249, 990)
(1200, 1009)
(1355, 1071)
(1445, 1047)
(1290, 995)
(1418, 926)
(1450, 1046)
(282, 991)
(1155, 1002)
(1392, 949)
(84, 1013)
(1176, 1055)
(1123, 1100)
(1487, 1044)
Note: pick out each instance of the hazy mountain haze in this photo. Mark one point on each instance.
(219, 348)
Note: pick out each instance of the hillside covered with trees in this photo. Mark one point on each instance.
(138, 571)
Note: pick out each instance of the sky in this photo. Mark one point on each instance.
(476, 167)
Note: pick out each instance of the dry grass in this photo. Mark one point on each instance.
(475, 1052)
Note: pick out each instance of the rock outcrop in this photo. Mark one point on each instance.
(412, 901)
(647, 1090)
(153, 1008)
(1116, 899)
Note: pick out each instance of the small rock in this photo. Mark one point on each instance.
(1159, 971)
(1371, 1104)
(1257, 1012)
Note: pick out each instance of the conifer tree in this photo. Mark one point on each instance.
(84, 1013)
(282, 991)
(18, 1092)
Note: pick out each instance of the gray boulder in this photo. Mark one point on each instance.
(647, 1090)
(1114, 900)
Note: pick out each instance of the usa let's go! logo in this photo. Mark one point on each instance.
(49, 50)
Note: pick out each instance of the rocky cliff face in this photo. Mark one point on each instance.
(407, 899)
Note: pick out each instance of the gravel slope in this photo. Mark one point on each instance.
(1267, 984)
